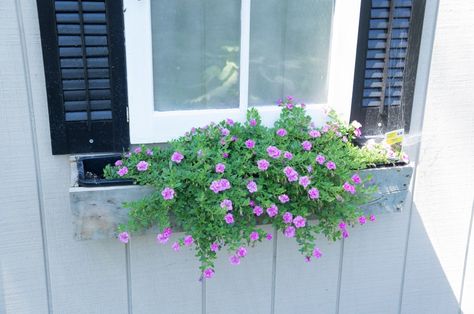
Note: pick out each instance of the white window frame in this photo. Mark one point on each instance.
(150, 126)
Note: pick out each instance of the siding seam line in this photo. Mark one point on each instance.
(465, 259)
(339, 277)
(203, 295)
(34, 140)
(129, 278)
(274, 265)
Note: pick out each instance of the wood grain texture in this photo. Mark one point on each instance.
(86, 277)
(444, 183)
(22, 274)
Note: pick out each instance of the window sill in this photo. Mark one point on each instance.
(97, 211)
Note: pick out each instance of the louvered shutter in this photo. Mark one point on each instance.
(84, 60)
(387, 56)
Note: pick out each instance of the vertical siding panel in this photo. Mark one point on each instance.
(467, 301)
(444, 185)
(89, 276)
(244, 288)
(22, 275)
(164, 281)
(306, 287)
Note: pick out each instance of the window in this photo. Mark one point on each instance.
(192, 62)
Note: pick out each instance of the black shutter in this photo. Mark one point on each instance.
(84, 61)
(386, 62)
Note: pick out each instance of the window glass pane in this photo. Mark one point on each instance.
(289, 50)
(196, 50)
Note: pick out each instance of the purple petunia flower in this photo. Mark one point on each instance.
(188, 240)
(405, 158)
(317, 253)
(325, 128)
(291, 174)
(331, 165)
(124, 237)
(167, 193)
(289, 232)
(314, 133)
(283, 198)
(222, 141)
(229, 219)
(320, 159)
(272, 211)
(313, 193)
(251, 203)
(254, 236)
(137, 150)
(357, 132)
(349, 188)
(362, 220)
(227, 204)
(225, 155)
(225, 132)
(160, 237)
(208, 273)
(149, 152)
(289, 106)
(241, 251)
(281, 132)
(356, 179)
(252, 122)
(309, 168)
(118, 163)
(252, 187)
(220, 185)
(342, 225)
(269, 236)
(304, 181)
(262, 164)
(177, 157)
(273, 152)
(220, 168)
(257, 210)
(372, 218)
(230, 122)
(287, 217)
(306, 145)
(142, 166)
(175, 246)
(250, 144)
(122, 171)
(234, 138)
(344, 139)
(345, 234)
(234, 260)
(214, 247)
(299, 222)
(288, 155)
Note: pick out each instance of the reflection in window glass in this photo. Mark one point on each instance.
(196, 50)
(289, 50)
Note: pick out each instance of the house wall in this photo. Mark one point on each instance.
(414, 262)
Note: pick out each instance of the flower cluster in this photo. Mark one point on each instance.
(222, 181)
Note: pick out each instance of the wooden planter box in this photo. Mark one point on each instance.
(97, 211)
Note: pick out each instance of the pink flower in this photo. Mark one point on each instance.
(122, 171)
(342, 225)
(188, 240)
(288, 155)
(220, 185)
(252, 122)
(252, 187)
(344, 139)
(251, 203)
(127, 155)
(331, 165)
(356, 179)
(175, 246)
(234, 138)
(349, 187)
(272, 211)
(177, 157)
(250, 144)
(124, 237)
(225, 132)
(325, 128)
(281, 132)
(289, 106)
(317, 253)
(357, 132)
(241, 251)
(167, 193)
(254, 236)
(283, 198)
(137, 150)
(405, 158)
(149, 152)
(345, 234)
(273, 152)
(214, 247)
(234, 260)
(220, 168)
(162, 238)
(372, 218)
(208, 273)
(226, 204)
(309, 168)
(289, 232)
(229, 219)
(118, 163)
(299, 222)
(320, 159)
(287, 218)
(313, 193)
(314, 133)
(306, 145)
(362, 220)
(225, 155)
(142, 166)
(263, 164)
(257, 210)
(291, 174)
(269, 236)
(304, 181)
(230, 122)
(222, 141)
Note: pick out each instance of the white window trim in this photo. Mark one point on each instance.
(150, 126)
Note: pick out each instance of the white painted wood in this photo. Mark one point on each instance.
(444, 185)
(467, 302)
(306, 287)
(86, 277)
(244, 54)
(163, 281)
(22, 273)
(244, 288)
